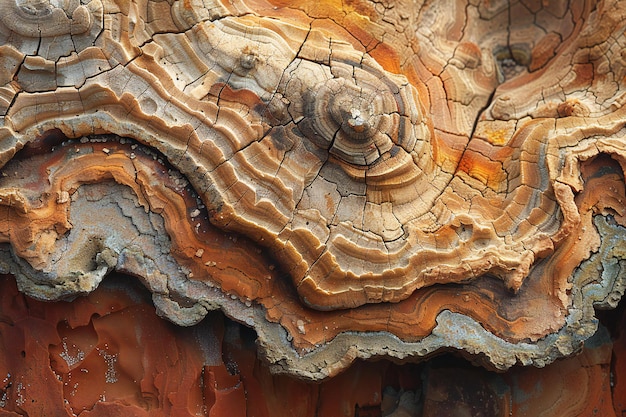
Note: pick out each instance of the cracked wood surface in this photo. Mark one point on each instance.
(351, 179)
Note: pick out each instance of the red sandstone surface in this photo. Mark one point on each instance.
(109, 354)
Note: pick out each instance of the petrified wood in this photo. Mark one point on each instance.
(349, 179)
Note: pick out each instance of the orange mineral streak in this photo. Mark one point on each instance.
(483, 169)
(387, 56)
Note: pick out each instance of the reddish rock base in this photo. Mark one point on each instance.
(108, 354)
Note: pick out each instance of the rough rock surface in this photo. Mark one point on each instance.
(109, 354)
(350, 179)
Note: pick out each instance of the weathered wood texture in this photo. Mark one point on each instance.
(350, 179)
